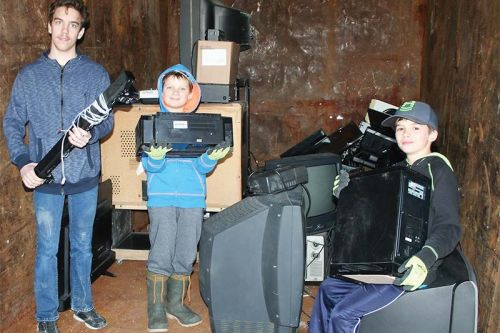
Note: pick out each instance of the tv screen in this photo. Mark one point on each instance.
(319, 205)
(251, 265)
(210, 20)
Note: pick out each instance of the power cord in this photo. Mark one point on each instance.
(94, 114)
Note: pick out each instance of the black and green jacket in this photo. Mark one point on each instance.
(444, 222)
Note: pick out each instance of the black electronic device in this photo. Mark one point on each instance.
(189, 134)
(119, 90)
(310, 145)
(341, 139)
(382, 219)
(252, 264)
(210, 20)
(319, 205)
(218, 93)
(277, 180)
(376, 118)
(102, 255)
(377, 150)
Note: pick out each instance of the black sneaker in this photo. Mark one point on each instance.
(92, 319)
(47, 327)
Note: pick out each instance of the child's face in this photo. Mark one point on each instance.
(176, 94)
(414, 139)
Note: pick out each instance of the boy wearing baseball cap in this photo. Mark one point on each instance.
(340, 305)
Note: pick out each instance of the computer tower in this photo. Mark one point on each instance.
(382, 218)
(315, 258)
(102, 255)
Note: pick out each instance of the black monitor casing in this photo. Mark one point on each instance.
(252, 265)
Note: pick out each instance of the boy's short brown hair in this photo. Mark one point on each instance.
(401, 118)
(178, 75)
(78, 5)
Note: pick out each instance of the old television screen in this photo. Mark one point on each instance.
(254, 252)
(319, 205)
(200, 16)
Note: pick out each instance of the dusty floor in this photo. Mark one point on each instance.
(122, 301)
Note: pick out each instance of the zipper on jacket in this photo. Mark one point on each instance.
(62, 96)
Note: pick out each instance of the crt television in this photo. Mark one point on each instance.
(210, 20)
(252, 264)
(319, 205)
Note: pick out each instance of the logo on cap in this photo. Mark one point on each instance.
(407, 106)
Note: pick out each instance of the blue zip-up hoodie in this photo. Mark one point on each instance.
(178, 182)
(47, 97)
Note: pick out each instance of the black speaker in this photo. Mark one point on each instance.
(102, 255)
(382, 218)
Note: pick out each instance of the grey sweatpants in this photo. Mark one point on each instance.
(174, 234)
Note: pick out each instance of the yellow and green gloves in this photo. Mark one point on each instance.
(218, 152)
(416, 269)
(158, 153)
(340, 182)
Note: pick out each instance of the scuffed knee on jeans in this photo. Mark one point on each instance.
(45, 222)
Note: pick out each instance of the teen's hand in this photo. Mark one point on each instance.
(79, 137)
(29, 177)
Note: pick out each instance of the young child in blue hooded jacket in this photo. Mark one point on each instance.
(176, 189)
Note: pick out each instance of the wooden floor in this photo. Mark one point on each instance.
(122, 301)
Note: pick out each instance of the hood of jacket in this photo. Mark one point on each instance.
(193, 102)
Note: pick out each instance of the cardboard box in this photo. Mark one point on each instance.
(119, 162)
(217, 62)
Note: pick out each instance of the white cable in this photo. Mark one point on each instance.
(92, 117)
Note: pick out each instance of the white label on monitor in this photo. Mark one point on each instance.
(416, 190)
(213, 57)
(180, 124)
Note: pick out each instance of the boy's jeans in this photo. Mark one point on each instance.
(48, 212)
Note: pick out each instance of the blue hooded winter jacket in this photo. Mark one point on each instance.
(178, 182)
(47, 97)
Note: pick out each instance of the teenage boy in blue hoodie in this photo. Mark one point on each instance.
(47, 95)
(176, 203)
(340, 305)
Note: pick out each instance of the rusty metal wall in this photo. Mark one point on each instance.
(313, 64)
(461, 80)
(317, 64)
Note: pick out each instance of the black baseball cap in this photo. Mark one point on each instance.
(418, 112)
